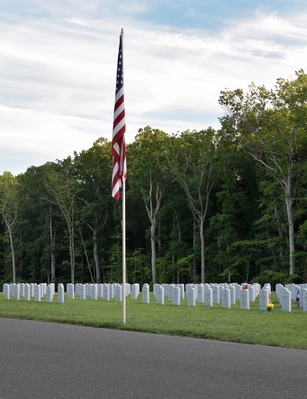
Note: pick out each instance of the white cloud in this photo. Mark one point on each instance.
(57, 74)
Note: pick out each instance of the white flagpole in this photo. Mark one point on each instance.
(124, 248)
(123, 222)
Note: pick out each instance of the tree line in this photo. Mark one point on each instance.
(210, 205)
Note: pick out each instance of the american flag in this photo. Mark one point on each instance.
(119, 168)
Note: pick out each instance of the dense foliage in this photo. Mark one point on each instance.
(227, 205)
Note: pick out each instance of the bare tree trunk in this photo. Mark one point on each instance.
(159, 243)
(72, 253)
(286, 185)
(95, 247)
(177, 223)
(288, 200)
(194, 245)
(52, 247)
(9, 227)
(95, 251)
(153, 249)
(152, 207)
(202, 251)
(280, 235)
(86, 257)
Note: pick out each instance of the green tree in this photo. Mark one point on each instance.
(234, 210)
(40, 228)
(149, 177)
(9, 210)
(93, 168)
(270, 124)
(62, 185)
(192, 165)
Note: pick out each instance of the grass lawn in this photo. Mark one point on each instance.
(275, 328)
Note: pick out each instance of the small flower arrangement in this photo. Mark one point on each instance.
(270, 306)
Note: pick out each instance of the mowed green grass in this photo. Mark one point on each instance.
(274, 328)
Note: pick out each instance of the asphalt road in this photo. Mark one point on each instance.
(51, 361)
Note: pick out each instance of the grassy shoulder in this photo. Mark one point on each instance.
(274, 328)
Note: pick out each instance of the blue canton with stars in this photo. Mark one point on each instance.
(119, 76)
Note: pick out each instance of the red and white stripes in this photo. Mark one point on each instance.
(119, 167)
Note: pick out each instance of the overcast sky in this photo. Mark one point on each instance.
(58, 64)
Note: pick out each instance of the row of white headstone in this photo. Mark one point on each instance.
(292, 293)
(208, 294)
(83, 291)
(228, 294)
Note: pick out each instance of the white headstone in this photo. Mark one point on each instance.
(106, 292)
(200, 293)
(252, 293)
(27, 292)
(208, 296)
(238, 291)
(244, 301)
(299, 298)
(187, 287)
(267, 286)
(82, 291)
(22, 289)
(37, 293)
(145, 293)
(128, 289)
(12, 289)
(77, 289)
(293, 288)
(226, 298)
(154, 290)
(87, 289)
(112, 290)
(171, 292)
(100, 291)
(181, 291)
(94, 291)
(304, 299)
(279, 289)
(118, 293)
(135, 290)
(49, 294)
(286, 300)
(191, 294)
(43, 288)
(216, 293)
(176, 296)
(160, 294)
(166, 290)
(32, 290)
(6, 291)
(61, 298)
(52, 286)
(264, 299)
(70, 289)
(232, 289)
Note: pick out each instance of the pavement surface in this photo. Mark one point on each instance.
(49, 361)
